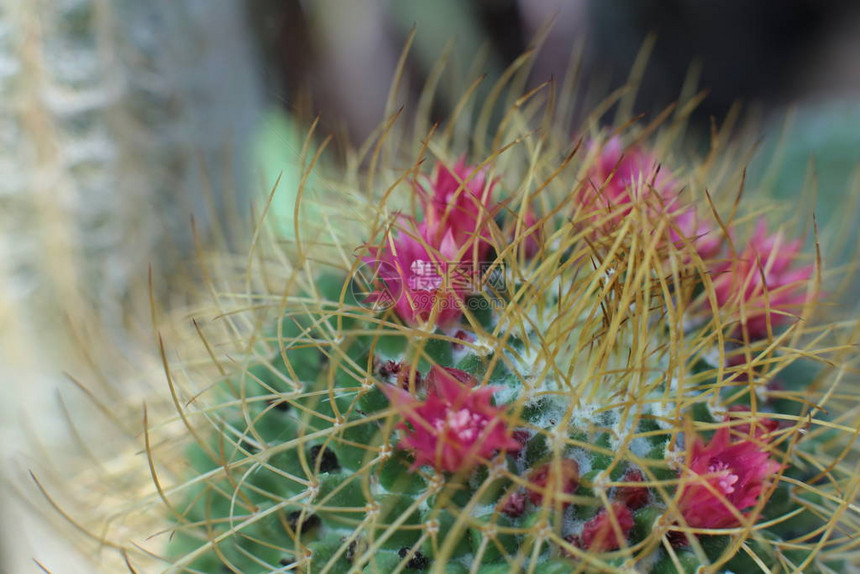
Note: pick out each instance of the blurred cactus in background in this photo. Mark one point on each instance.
(118, 120)
(533, 353)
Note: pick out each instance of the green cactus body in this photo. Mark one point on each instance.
(308, 476)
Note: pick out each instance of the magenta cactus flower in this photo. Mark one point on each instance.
(459, 201)
(618, 177)
(765, 275)
(413, 269)
(421, 269)
(456, 427)
(723, 479)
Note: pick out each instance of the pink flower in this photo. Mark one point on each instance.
(456, 427)
(722, 480)
(459, 201)
(600, 535)
(413, 274)
(765, 273)
(563, 474)
(619, 177)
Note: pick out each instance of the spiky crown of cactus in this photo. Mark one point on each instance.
(538, 354)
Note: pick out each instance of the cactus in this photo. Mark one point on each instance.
(553, 355)
(112, 129)
(115, 121)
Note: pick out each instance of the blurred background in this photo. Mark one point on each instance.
(122, 121)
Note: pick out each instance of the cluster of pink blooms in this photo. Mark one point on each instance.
(420, 262)
(429, 266)
(456, 427)
(764, 279)
(725, 477)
